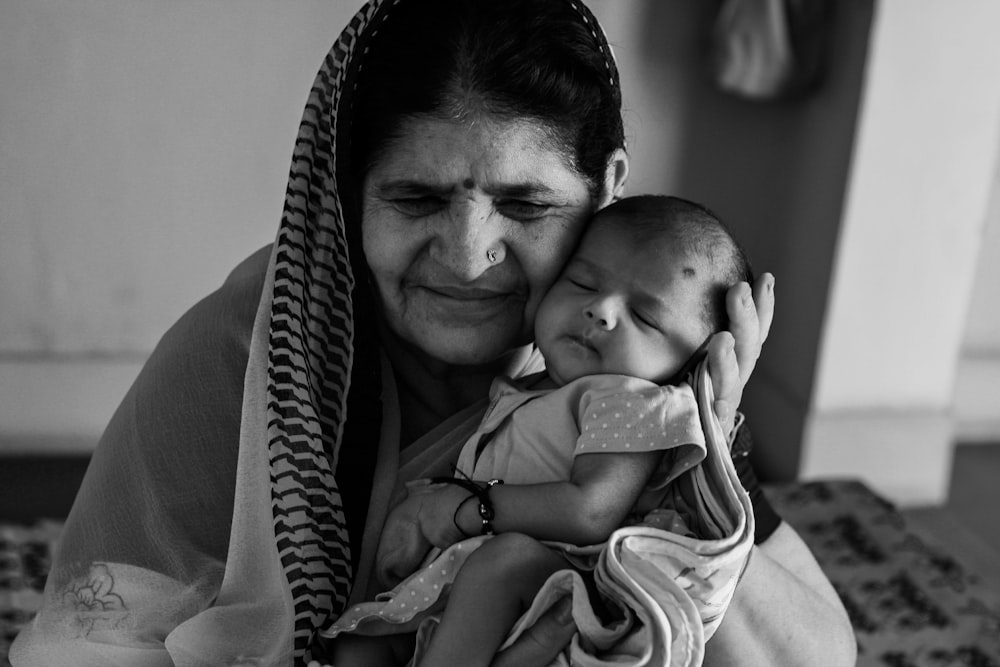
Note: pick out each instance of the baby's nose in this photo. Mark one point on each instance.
(602, 315)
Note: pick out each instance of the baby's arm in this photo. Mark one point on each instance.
(601, 490)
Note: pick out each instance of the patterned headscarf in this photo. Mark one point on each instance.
(323, 361)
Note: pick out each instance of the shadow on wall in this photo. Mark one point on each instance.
(776, 171)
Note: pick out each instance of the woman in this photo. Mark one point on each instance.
(448, 157)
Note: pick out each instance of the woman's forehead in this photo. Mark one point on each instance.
(483, 152)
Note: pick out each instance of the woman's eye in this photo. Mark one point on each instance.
(419, 206)
(523, 211)
(580, 285)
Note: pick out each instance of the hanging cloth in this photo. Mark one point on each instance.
(770, 49)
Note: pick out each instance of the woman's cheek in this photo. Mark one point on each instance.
(387, 247)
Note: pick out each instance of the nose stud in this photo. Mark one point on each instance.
(491, 255)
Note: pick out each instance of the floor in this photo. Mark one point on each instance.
(32, 487)
(969, 523)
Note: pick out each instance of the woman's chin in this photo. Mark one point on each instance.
(471, 347)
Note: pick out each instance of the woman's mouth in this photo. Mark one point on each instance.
(466, 306)
(466, 293)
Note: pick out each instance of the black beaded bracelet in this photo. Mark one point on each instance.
(486, 511)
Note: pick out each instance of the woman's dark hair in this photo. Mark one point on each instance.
(543, 60)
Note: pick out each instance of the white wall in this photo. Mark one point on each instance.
(977, 381)
(775, 170)
(918, 199)
(144, 148)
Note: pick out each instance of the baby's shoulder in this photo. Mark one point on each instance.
(612, 388)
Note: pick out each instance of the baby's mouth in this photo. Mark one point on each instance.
(582, 341)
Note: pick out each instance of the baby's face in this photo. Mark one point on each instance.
(623, 306)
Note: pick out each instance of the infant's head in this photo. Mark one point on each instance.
(645, 288)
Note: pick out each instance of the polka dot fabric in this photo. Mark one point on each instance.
(638, 421)
(404, 607)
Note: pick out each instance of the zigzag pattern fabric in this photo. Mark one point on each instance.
(311, 356)
(315, 335)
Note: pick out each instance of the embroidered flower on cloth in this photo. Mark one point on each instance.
(94, 592)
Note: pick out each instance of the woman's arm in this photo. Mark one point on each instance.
(784, 612)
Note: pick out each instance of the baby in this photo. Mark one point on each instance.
(569, 455)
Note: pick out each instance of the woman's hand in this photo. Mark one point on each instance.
(539, 645)
(732, 355)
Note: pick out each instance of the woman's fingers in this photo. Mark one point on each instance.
(726, 382)
(539, 645)
(745, 327)
(732, 355)
(763, 298)
(750, 313)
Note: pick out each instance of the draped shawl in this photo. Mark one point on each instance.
(183, 548)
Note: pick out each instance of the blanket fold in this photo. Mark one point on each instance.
(663, 594)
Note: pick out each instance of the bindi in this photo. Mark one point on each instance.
(468, 184)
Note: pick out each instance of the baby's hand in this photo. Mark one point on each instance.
(402, 546)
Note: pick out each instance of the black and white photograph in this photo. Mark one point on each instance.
(499, 333)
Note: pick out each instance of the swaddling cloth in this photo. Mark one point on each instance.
(663, 594)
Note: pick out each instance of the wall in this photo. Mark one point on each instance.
(144, 148)
(132, 129)
(869, 201)
(129, 129)
(977, 381)
(777, 172)
(917, 201)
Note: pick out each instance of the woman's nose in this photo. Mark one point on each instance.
(470, 242)
(601, 312)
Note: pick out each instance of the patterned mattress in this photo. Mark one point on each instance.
(912, 604)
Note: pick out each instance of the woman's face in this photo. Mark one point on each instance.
(437, 199)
